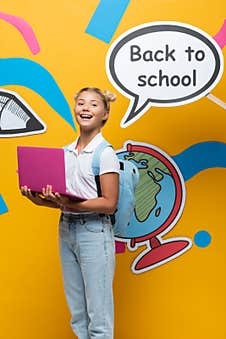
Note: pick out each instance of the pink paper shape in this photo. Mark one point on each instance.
(25, 29)
(220, 37)
(120, 247)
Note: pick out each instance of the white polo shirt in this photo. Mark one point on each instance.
(80, 179)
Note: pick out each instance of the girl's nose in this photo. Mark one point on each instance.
(85, 107)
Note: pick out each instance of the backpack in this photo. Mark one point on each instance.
(128, 180)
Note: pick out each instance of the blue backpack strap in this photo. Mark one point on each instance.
(96, 163)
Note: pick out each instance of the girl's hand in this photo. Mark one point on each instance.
(58, 199)
(33, 196)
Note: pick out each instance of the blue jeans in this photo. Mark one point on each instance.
(87, 252)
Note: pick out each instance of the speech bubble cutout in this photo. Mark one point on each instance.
(163, 64)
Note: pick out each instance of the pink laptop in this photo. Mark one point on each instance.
(41, 166)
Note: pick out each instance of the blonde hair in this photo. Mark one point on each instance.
(106, 96)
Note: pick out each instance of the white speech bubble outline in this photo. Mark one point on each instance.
(143, 103)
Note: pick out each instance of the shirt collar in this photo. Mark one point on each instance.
(91, 145)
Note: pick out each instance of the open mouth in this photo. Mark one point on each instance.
(86, 116)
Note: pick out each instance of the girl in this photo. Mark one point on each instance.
(85, 231)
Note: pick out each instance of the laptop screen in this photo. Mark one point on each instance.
(39, 166)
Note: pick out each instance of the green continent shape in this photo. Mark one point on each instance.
(148, 186)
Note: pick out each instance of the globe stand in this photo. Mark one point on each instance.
(158, 253)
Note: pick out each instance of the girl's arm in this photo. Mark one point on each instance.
(106, 204)
(37, 199)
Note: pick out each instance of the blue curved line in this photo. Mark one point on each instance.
(3, 207)
(199, 157)
(24, 72)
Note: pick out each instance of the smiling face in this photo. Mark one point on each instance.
(90, 111)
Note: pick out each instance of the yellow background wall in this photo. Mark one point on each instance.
(182, 299)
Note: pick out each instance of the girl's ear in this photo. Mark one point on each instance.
(105, 116)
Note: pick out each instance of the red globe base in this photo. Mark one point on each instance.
(160, 254)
